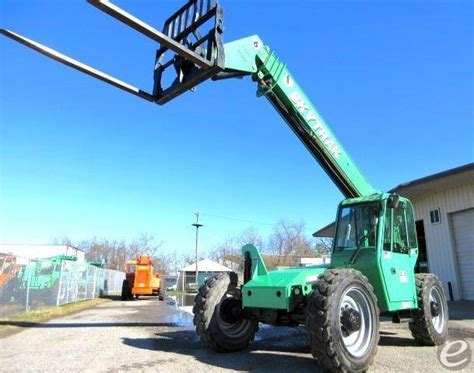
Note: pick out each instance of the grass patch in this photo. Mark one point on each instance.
(45, 314)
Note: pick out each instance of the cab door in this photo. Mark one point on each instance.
(399, 256)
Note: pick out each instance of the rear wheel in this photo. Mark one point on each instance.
(126, 290)
(161, 294)
(343, 321)
(430, 320)
(218, 315)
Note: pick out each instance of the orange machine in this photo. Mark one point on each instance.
(9, 281)
(140, 279)
(8, 269)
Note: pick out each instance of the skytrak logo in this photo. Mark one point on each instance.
(316, 125)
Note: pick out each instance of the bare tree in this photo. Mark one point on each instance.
(288, 238)
(228, 252)
(163, 263)
(117, 253)
(188, 258)
(251, 236)
(63, 240)
(230, 246)
(145, 245)
(233, 244)
(323, 245)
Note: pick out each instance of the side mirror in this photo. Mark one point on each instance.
(393, 200)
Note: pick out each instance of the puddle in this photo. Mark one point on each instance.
(184, 316)
(184, 300)
(184, 303)
(180, 319)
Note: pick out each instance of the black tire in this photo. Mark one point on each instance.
(161, 294)
(331, 343)
(430, 321)
(126, 291)
(212, 304)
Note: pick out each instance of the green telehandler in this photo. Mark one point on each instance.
(375, 244)
(43, 278)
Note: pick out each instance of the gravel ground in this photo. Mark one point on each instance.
(148, 335)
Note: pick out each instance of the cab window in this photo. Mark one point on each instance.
(357, 226)
(400, 237)
(387, 237)
(412, 239)
(399, 232)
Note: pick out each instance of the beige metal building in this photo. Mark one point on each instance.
(444, 210)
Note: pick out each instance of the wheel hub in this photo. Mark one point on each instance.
(350, 320)
(438, 309)
(230, 310)
(434, 309)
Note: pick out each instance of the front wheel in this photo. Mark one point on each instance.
(218, 315)
(343, 321)
(430, 320)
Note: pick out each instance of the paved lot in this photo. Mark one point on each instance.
(148, 335)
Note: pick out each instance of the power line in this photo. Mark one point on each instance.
(237, 219)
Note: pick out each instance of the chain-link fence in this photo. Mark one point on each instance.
(168, 282)
(27, 284)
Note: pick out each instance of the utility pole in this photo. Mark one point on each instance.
(197, 225)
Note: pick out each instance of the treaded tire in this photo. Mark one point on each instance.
(323, 320)
(161, 294)
(126, 291)
(216, 333)
(422, 327)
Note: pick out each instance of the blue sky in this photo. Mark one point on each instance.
(80, 158)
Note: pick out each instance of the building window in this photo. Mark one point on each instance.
(435, 216)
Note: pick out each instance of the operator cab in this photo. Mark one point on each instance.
(377, 236)
(362, 221)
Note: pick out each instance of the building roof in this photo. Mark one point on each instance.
(439, 181)
(327, 231)
(419, 187)
(206, 265)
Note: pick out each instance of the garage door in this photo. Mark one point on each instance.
(463, 229)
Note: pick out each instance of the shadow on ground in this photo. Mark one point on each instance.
(29, 324)
(119, 298)
(281, 349)
(277, 349)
